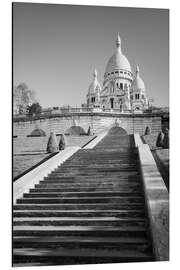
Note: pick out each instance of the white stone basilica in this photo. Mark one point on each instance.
(121, 91)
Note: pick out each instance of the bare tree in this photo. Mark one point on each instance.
(22, 98)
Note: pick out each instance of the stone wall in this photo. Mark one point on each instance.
(98, 121)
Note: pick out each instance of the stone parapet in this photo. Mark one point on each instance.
(109, 113)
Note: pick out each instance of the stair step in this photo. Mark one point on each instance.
(87, 189)
(93, 180)
(120, 177)
(25, 260)
(80, 242)
(117, 185)
(97, 163)
(82, 194)
(105, 168)
(81, 172)
(78, 213)
(77, 200)
(62, 256)
(96, 231)
(94, 162)
(80, 221)
(83, 206)
(82, 239)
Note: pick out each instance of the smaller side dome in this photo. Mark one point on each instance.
(138, 82)
(95, 85)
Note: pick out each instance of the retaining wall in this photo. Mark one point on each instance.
(98, 121)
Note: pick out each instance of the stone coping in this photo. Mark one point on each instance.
(24, 183)
(137, 140)
(157, 200)
(90, 114)
(95, 141)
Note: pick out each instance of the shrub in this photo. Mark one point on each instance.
(166, 139)
(147, 131)
(62, 142)
(159, 141)
(52, 145)
(89, 132)
(34, 109)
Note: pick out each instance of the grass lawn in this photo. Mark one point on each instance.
(28, 151)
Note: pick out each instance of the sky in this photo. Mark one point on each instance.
(57, 47)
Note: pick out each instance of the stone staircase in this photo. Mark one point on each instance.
(89, 210)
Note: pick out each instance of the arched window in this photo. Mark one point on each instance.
(93, 99)
(112, 103)
(121, 86)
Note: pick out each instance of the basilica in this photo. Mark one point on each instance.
(121, 90)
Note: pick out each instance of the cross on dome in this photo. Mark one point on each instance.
(137, 70)
(95, 74)
(118, 42)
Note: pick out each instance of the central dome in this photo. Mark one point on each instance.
(118, 60)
